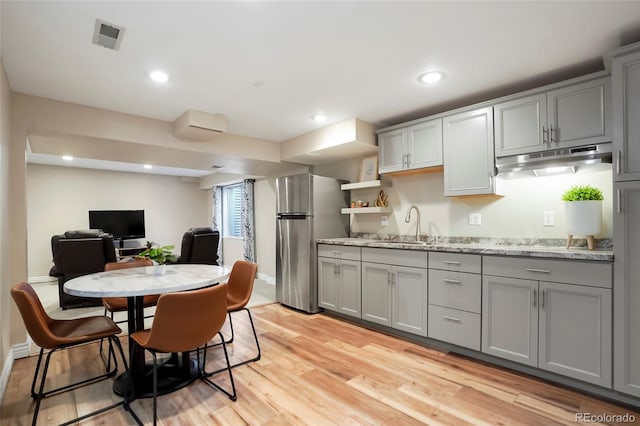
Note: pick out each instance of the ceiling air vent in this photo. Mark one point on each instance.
(107, 35)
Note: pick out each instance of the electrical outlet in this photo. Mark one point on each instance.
(384, 220)
(548, 218)
(475, 219)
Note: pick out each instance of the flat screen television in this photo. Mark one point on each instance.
(122, 224)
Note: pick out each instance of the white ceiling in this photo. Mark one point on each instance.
(269, 65)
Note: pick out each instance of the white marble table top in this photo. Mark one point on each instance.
(142, 281)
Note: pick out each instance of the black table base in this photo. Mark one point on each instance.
(171, 377)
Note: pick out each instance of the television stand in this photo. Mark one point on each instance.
(129, 251)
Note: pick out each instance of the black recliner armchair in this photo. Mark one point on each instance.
(200, 245)
(77, 253)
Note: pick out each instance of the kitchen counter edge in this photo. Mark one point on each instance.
(504, 250)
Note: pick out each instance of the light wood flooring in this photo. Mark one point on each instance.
(318, 370)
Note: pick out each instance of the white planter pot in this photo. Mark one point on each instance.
(583, 217)
(160, 269)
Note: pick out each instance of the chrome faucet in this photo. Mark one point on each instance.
(408, 218)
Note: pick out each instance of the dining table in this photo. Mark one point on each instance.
(135, 283)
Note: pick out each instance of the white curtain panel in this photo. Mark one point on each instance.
(216, 221)
(248, 227)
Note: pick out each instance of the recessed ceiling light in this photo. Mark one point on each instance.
(67, 158)
(431, 77)
(319, 118)
(148, 166)
(159, 76)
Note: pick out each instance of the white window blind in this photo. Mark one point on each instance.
(232, 211)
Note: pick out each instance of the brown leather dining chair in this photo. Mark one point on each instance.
(119, 304)
(186, 321)
(54, 334)
(240, 282)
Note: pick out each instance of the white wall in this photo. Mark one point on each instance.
(5, 282)
(59, 199)
(518, 214)
(265, 222)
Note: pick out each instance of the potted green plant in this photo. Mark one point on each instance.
(160, 255)
(583, 212)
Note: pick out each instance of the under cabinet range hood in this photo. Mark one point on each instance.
(570, 158)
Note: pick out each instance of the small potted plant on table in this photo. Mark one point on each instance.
(160, 255)
(583, 212)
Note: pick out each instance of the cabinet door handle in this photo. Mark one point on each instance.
(408, 160)
(535, 297)
(448, 281)
(544, 135)
(551, 129)
(619, 160)
(448, 318)
(544, 292)
(339, 269)
(450, 262)
(619, 203)
(542, 271)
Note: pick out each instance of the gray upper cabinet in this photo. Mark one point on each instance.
(414, 147)
(626, 110)
(391, 149)
(570, 116)
(626, 233)
(520, 124)
(469, 164)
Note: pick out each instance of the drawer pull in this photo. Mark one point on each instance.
(450, 262)
(448, 318)
(448, 281)
(542, 271)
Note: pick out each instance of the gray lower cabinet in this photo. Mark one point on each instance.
(560, 327)
(510, 319)
(455, 293)
(626, 232)
(575, 331)
(394, 289)
(339, 279)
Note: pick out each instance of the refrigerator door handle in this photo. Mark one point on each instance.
(293, 216)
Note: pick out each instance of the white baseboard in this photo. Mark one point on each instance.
(6, 372)
(42, 279)
(17, 351)
(22, 350)
(267, 278)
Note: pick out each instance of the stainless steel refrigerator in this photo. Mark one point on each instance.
(307, 207)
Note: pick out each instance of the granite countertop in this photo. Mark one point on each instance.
(524, 247)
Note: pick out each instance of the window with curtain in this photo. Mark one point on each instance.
(232, 199)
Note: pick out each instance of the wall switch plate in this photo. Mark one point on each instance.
(384, 220)
(548, 218)
(475, 219)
